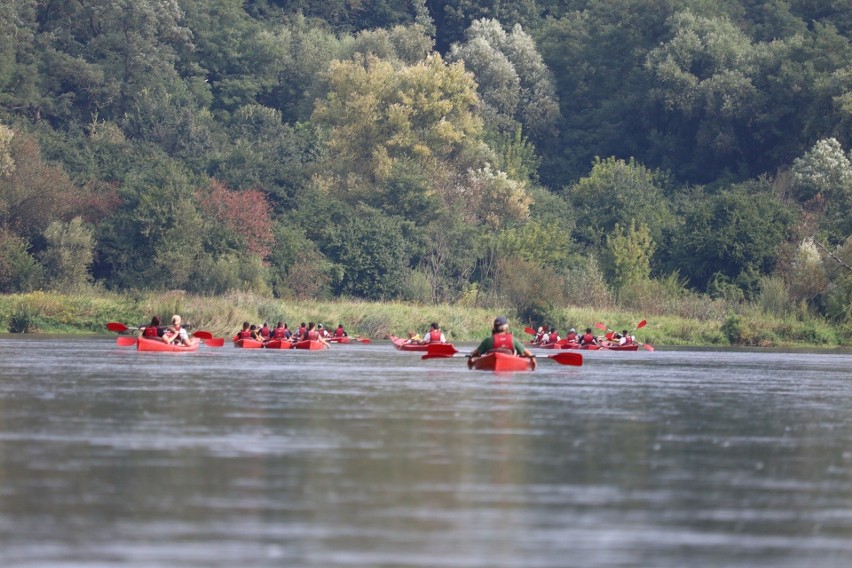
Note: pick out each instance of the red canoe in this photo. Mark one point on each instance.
(156, 345)
(248, 343)
(341, 340)
(310, 344)
(401, 344)
(278, 344)
(501, 363)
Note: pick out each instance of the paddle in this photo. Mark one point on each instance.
(125, 341)
(567, 358)
(530, 331)
(363, 340)
(214, 341)
(439, 350)
(118, 327)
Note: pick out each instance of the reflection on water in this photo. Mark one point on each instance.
(365, 456)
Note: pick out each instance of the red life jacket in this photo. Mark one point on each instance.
(571, 337)
(503, 341)
(588, 338)
(553, 337)
(434, 336)
(150, 331)
(244, 334)
(264, 331)
(279, 333)
(339, 332)
(312, 335)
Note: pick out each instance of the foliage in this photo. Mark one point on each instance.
(515, 85)
(630, 250)
(618, 192)
(69, 254)
(244, 215)
(732, 233)
(823, 184)
(19, 270)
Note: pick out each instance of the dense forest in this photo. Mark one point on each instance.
(659, 154)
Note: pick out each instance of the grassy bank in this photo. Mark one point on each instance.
(41, 312)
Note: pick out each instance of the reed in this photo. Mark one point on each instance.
(88, 312)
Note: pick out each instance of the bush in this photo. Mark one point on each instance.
(23, 319)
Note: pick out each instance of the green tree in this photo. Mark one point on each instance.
(371, 250)
(630, 250)
(515, 85)
(733, 234)
(618, 192)
(68, 257)
(823, 184)
(19, 270)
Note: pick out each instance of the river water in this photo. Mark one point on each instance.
(363, 456)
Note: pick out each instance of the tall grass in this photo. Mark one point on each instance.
(691, 321)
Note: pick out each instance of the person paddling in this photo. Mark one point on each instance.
(313, 334)
(500, 341)
(588, 338)
(340, 332)
(153, 330)
(176, 333)
(434, 335)
(244, 333)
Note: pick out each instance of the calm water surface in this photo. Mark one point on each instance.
(362, 456)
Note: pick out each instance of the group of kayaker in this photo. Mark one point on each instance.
(434, 335)
(173, 334)
(544, 336)
(281, 331)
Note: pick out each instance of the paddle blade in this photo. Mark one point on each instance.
(214, 341)
(567, 358)
(363, 339)
(647, 347)
(599, 325)
(201, 334)
(529, 330)
(439, 350)
(115, 326)
(641, 324)
(125, 341)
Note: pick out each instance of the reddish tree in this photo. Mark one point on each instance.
(246, 213)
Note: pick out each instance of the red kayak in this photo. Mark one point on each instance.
(248, 343)
(341, 340)
(278, 344)
(310, 344)
(614, 347)
(156, 345)
(401, 344)
(501, 363)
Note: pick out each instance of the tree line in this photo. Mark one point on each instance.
(532, 153)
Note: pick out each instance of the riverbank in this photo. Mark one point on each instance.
(42, 312)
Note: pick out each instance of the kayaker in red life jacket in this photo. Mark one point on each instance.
(323, 332)
(281, 331)
(244, 333)
(540, 333)
(500, 340)
(626, 338)
(313, 334)
(153, 330)
(300, 333)
(434, 335)
(572, 335)
(552, 337)
(264, 331)
(340, 332)
(588, 338)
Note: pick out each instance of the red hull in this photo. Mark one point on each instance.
(154, 345)
(341, 340)
(310, 345)
(279, 344)
(248, 343)
(502, 363)
(634, 347)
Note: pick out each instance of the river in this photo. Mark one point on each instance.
(363, 456)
